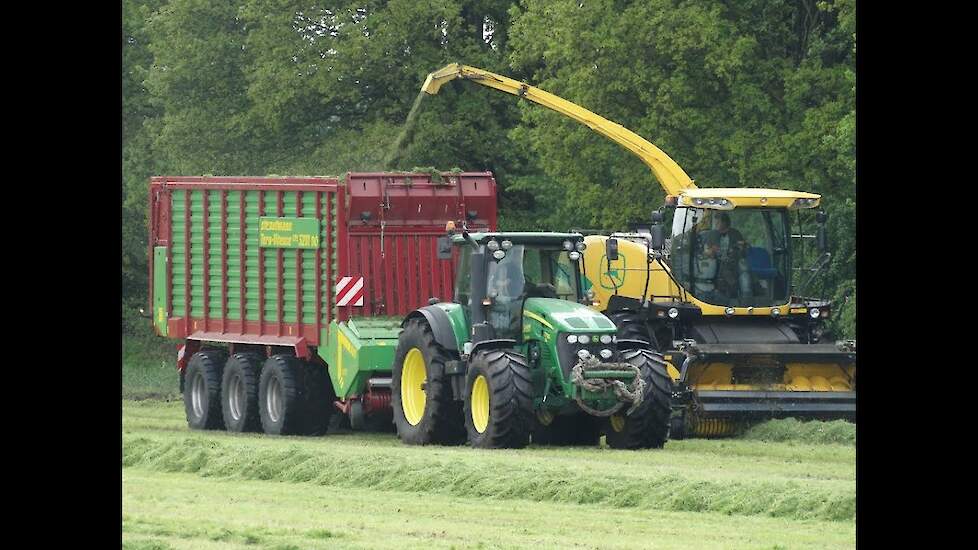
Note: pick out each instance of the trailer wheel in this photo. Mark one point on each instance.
(648, 426)
(499, 400)
(425, 410)
(202, 390)
(280, 396)
(239, 392)
(632, 327)
(318, 398)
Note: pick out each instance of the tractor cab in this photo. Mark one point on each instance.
(502, 277)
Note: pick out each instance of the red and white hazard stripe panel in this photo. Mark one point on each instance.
(349, 291)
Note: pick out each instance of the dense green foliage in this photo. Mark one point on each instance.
(746, 93)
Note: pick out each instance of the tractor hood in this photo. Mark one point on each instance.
(565, 316)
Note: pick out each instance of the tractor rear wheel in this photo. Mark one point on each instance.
(239, 392)
(202, 390)
(499, 402)
(648, 426)
(425, 411)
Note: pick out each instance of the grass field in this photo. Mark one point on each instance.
(782, 485)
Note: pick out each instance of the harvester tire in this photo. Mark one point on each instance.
(428, 414)
(499, 400)
(632, 327)
(239, 393)
(202, 390)
(280, 396)
(648, 426)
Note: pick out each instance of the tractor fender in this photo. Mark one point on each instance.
(442, 325)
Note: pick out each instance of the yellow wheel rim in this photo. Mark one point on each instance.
(479, 401)
(617, 422)
(413, 375)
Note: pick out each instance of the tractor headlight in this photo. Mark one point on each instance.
(589, 294)
(507, 245)
(574, 256)
(492, 246)
(568, 245)
(606, 354)
(571, 338)
(775, 312)
(499, 254)
(605, 339)
(729, 311)
(673, 313)
(583, 353)
(580, 246)
(584, 339)
(814, 313)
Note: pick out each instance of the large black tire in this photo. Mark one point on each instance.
(580, 429)
(202, 390)
(441, 421)
(239, 392)
(279, 396)
(318, 398)
(648, 426)
(507, 381)
(632, 327)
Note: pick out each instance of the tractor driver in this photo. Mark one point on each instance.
(505, 288)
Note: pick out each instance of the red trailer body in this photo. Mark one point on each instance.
(221, 273)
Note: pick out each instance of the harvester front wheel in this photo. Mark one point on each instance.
(648, 426)
(202, 390)
(239, 392)
(632, 327)
(425, 410)
(499, 402)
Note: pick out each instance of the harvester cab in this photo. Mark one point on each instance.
(517, 353)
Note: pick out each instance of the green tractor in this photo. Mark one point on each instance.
(518, 354)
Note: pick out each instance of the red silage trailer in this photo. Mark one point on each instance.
(306, 276)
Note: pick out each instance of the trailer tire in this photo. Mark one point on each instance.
(318, 397)
(499, 400)
(648, 426)
(239, 392)
(632, 327)
(280, 396)
(202, 390)
(435, 415)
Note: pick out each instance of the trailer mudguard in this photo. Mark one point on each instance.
(447, 322)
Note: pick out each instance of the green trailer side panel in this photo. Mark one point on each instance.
(159, 289)
(357, 350)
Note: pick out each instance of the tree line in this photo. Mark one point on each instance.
(741, 93)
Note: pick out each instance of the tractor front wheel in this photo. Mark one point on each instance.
(499, 402)
(648, 426)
